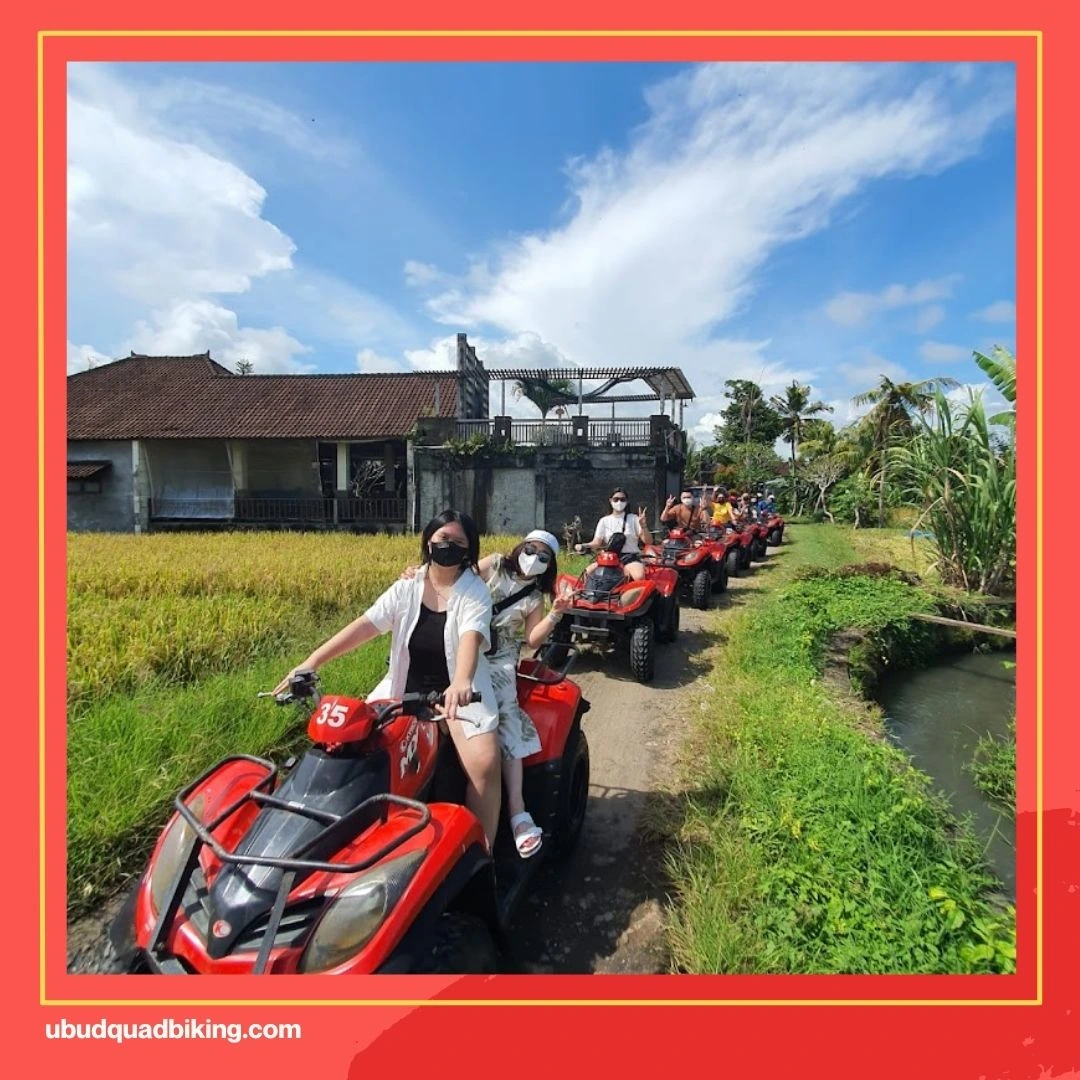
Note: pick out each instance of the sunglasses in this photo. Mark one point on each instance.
(539, 552)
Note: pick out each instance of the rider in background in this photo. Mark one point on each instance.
(722, 513)
(632, 526)
(683, 515)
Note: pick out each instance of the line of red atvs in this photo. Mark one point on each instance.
(361, 857)
(685, 565)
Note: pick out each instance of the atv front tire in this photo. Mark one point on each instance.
(573, 794)
(720, 582)
(734, 562)
(642, 656)
(670, 629)
(775, 537)
(113, 951)
(701, 589)
(461, 945)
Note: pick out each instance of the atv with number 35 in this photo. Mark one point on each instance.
(359, 858)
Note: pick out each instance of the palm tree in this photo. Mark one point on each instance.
(795, 408)
(890, 418)
(545, 394)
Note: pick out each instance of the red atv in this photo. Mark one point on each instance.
(361, 858)
(611, 608)
(775, 525)
(698, 559)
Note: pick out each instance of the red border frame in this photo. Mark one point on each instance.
(1032, 1038)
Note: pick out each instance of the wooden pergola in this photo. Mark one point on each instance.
(666, 384)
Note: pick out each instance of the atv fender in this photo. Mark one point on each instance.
(469, 887)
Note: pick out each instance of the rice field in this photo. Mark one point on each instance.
(170, 638)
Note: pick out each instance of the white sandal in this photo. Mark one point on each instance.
(527, 841)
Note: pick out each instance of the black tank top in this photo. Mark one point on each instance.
(427, 654)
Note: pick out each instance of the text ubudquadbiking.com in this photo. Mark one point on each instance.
(112, 1031)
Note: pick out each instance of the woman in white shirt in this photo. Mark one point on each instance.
(440, 624)
(632, 526)
(518, 583)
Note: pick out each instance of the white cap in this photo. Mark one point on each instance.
(544, 538)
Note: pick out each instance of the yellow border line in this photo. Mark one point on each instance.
(43, 1000)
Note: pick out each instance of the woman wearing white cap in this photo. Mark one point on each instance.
(518, 583)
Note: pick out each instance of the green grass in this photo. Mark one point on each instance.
(809, 844)
(993, 767)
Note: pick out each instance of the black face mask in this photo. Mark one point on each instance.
(446, 553)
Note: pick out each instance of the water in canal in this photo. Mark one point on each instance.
(938, 715)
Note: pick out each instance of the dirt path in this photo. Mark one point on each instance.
(603, 911)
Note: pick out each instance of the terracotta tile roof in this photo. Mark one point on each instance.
(193, 397)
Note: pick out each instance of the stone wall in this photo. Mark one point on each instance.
(517, 491)
(113, 508)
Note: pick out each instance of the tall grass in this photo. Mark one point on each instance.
(965, 485)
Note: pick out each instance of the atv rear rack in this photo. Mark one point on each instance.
(340, 828)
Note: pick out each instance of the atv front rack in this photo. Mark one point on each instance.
(340, 828)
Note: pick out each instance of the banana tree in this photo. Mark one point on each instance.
(894, 406)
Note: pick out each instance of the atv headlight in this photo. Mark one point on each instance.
(350, 922)
(631, 596)
(177, 841)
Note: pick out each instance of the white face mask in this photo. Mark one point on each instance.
(618, 505)
(530, 565)
(688, 502)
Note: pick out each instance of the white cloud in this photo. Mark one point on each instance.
(370, 362)
(928, 318)
(857, 308)
(419, 274)
(84, 357)
(162, 227)
(706, 424)
(663, 242)
(195, 326)
(156, 219)
(1000, 311)
(868, 370)
(939, 353)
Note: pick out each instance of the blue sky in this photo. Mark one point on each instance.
(829, 223)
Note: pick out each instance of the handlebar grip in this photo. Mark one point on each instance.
(435, 698)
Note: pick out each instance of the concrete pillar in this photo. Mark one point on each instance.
(141, 488)
(342, 472)
(412, 506)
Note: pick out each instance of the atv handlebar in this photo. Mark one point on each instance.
(304, 685)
